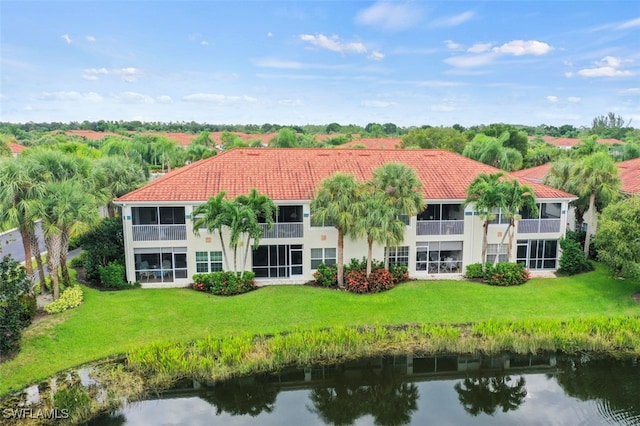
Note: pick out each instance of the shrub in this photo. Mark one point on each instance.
(103, 244)
(400, 273)
(225, 283)
(326, 276)
(505, 274)
(70, 298)
(356, 281)
(13, 286)
(573, 260)
(29, 309)
(112, 276)
(474, 271)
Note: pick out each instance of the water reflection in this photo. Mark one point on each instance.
(406, 389)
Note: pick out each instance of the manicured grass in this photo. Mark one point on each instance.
(115, 322)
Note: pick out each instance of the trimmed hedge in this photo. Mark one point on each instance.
(502, 274)
(225, 283)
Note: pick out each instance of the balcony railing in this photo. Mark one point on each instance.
(440, 227)
(538, 226)
(283, 230)
(159, 232)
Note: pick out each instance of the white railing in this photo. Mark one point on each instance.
(159, 232)
(538, 226)
(283, 230)
(440, 227)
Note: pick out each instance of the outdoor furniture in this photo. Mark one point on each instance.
(145, 272)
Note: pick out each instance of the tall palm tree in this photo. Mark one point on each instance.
(338, 201)
(210, 215)
(115, 176)
(402, 191)
(241, 220)
(516, 198)
(264, 209)
(380, 224)
(596, 176)
(486, 194)
(21, 189)
(65, 206)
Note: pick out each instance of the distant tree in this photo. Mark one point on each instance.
(516, 139)
(631, 151)
(609, 126)
(617, 237)
(541, 153)
(435, 137)
(204, 138)
(390, 129)
(114, 176)
(286, 138)
(374, 130)
(333, 128)
(490, 150)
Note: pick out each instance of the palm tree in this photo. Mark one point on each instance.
(264, 209)
(516, 198)
(380, 224)
(210, 215)
(116, 176)
(338, 201)
(21, 188)
(241, 220)
(402, 192)
(65, 207)
(486, 194)
(596, 176)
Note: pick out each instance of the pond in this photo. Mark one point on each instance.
(449, 389)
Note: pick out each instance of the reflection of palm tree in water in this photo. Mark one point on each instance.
(386, 397)
(485, 395)
(242, 396)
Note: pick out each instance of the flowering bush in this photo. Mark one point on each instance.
(506, 274)
(380, 279)
(225, 283)
(70, 298)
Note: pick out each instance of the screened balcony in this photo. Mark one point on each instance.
(288, 224)
(547, 219)
(158, 224)
(441, 219)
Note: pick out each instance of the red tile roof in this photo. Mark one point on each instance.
(535, 174)
(294, 173)
(374, 143)
(630, 175)
(16, 148)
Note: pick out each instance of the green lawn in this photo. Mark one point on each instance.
(113, 322)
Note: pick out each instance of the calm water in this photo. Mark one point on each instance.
(443, 390)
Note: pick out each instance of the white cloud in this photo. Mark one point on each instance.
(269, 34)
(609, 66)
(334, 44)
(204, 43)
(378, 104)
(452, 21)
(66, 38)
(274, 63)
(629, 24)
(480, 47)
(574, 99)
(129, 74)
(290, 102)
(552, 99)
(215, 98)
(133, 98)
(443, 107)
(568, 74)
(164, 99)
(70, 96)
(390, 16)
(91, 39)
(631, 91)
(469, 61)
(522, 47)
(376, 56)
(452, 45)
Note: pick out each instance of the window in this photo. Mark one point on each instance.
(538, 254)
(277, 261)
(442, 212)
(322, 255)
(158, 215)
(499, 218)
(499, 250)
(398, 255)
(437, 257)
(164, 264)
(545, 211)
(208, 261)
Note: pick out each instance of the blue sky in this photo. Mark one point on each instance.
(315, 62)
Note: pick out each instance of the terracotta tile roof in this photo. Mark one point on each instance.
(374, 143)
(16, 148)
(630, 176)
(535, 174)
(294, 173)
